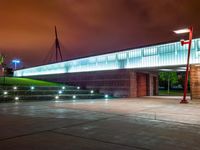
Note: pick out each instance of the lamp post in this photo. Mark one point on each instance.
(15, 62)
(183, 42)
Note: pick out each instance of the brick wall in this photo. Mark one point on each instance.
(195, 81)
(120, 83)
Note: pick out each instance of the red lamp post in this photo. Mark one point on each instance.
(183, 42)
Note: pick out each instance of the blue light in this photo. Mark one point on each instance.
(17, 61)
(60, 92)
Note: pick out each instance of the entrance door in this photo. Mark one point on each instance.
(141, 84)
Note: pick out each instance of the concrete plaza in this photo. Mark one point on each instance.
(149, 123)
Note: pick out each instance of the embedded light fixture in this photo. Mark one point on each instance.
(32, 88)
(14, 88)
(78, 87)
(16, 98)
(56, 97)
(63, 87)
(92, 91)
(74, 96)
(106, 95)
(60, 92)
(5, 92)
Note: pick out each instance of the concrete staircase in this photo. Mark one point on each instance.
(40, 93)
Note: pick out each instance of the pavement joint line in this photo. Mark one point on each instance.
(38, 132)
(126, 115)
(98, 140)
(166, 121)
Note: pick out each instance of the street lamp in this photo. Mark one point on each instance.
(16, 61)
(183, 42)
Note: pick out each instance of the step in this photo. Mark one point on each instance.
(50, 97)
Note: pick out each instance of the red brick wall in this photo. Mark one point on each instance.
(141, 84)
(122, 83)
(195, 82)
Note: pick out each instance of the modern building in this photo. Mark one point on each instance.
(128, 73)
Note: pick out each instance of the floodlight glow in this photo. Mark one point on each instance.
(78, 88)
(5, 92)
(92, 91)
(14, 88)
(74, 96)
(63, 87)
(16, 98)
(56, 97)
(181, 31)
(32, 87)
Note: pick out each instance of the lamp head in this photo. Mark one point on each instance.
(182, 31)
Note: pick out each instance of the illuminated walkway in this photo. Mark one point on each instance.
(155, 56)
(128, 124)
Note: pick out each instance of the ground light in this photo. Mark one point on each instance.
(14, 88)
(78, 87)
(32, 88)
(56, 97)
(183, 42)
(16, 98)
(74, 96)
(63, 88)
(92, 92)
(106, 96)
(5, 93)
(60, 92)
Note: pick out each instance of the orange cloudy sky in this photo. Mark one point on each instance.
(88, 27)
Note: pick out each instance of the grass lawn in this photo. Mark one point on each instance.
(26, 82)
(172, 92)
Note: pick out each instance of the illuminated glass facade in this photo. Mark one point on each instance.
(171, 54)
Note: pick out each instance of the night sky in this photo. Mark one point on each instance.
(88, 27)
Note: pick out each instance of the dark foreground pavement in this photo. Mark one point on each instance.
(123, 124)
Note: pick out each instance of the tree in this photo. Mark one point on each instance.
(167, 79)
